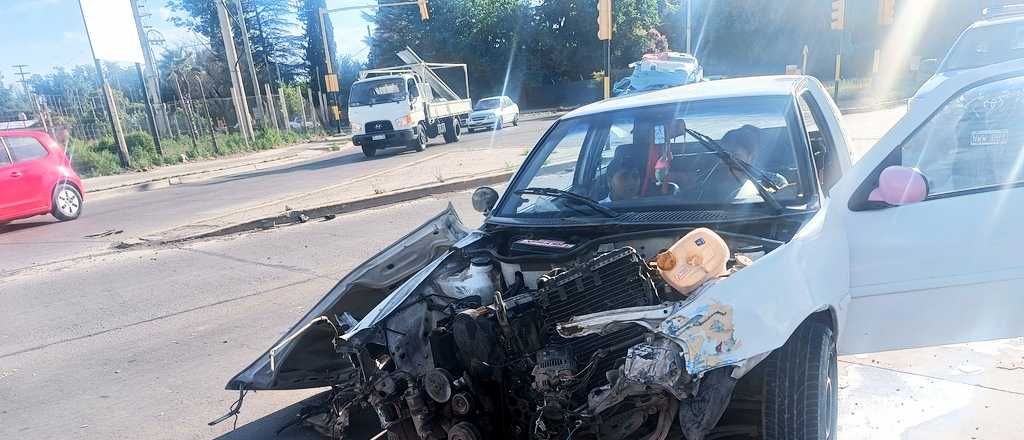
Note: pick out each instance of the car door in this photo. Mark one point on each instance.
(948, 268)
(31, 171)
(10, 191)
(306, 356)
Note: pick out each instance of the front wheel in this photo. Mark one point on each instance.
(801, 389)
(515, 121)
(420, 143)
(369, 151)
(67, 202)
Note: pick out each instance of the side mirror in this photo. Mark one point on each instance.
(899, 185)
(484, 199)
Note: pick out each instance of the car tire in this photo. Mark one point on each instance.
(420, 143)
(452, 130)
(369, 151)
(66, 202)
(515, 121)
(801, 386)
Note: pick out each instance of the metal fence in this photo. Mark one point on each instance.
(85, 116)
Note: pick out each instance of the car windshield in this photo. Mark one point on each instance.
(641, 159)
(986, 45)
(376, 92)
(487, 104)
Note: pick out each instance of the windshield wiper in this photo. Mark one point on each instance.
(563, 194)
(760, 180)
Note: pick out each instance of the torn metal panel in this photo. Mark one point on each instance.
(305, 356)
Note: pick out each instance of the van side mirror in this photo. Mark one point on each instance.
(484, 199)
(899, 185)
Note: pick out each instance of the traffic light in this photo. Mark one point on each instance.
(424, 12)
(838, 14)
(886, 12)
(604, 19)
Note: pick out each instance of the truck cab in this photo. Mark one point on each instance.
(387, 111)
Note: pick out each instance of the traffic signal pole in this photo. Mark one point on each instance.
(330, 80)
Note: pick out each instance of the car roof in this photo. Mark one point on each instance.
(779, 85)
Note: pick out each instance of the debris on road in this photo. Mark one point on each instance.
(106, 233)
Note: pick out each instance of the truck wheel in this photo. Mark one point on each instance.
(369, 151)
(801, 387)
(420, 143)
(452, 130)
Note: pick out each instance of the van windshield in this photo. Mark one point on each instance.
(377, 92)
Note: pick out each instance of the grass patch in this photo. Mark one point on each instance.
(100, 158)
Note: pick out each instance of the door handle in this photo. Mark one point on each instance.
(15, 173)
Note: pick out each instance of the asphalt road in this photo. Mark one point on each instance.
(38, 240)
(139, 344)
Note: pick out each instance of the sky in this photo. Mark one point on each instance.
(48, 33)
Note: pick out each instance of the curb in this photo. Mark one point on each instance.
(195, 176)
(328, 211)
(874, 107)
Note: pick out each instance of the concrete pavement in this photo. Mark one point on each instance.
(139, 344)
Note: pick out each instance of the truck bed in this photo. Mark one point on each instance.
(444, 109)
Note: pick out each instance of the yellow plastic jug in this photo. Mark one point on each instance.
(693, 260)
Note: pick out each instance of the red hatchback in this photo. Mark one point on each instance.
(36, 178)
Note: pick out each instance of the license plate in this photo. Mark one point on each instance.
(990, 137)
(378, 137)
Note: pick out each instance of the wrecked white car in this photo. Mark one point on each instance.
(680, 264)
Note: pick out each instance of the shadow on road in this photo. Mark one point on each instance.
(11, 227)
(267, 426)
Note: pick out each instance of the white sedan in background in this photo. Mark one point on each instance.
(493, 113)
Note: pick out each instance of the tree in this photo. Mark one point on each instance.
(315, 64)
(274, 46)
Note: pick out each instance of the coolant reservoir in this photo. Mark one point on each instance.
(477, 280)
(693, 260)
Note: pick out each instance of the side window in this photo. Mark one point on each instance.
(506, 102)
(823, 150)
(974, 141)
(413, 91)
(24, 148)
(5, 159)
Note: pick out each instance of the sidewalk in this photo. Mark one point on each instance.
(206, 169)
(434, 173)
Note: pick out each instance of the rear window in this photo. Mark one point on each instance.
(24, 148)
(987, 45)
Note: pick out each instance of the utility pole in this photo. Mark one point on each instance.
(689, 26)
(108, 95)
(150, 113)
(237, 91)
(604, 32)
(150, 84)
(28, 93)
(260, 113)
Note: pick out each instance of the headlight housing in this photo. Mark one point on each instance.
(403, 122)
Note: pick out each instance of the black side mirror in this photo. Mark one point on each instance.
(484, 199)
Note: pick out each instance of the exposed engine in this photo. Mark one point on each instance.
(497, 367)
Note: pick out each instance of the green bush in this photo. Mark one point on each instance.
(93, 160)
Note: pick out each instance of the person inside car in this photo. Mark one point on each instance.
(724, 184)
(625, 173)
